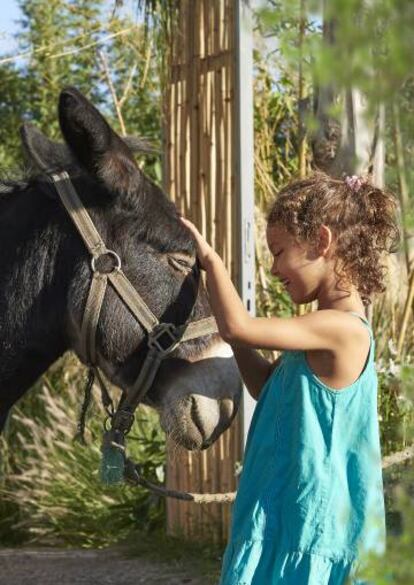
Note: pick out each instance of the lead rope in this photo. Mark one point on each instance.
(80, 435)
(107, 402)
(105, 396)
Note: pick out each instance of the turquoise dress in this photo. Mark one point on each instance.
(310, 499)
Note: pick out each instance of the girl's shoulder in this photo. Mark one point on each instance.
(350, 325)
(343, 316)
(338, 369)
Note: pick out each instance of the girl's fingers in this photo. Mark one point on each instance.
(188, 223)
(203, 248)
(190, 226)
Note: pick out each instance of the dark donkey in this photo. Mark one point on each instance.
(46, 273)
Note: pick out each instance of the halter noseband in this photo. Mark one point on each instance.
(158, 333)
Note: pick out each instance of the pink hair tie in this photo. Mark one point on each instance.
(354, 183)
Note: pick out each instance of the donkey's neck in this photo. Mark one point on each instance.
(32, 291)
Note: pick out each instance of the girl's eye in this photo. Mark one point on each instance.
(278, 254)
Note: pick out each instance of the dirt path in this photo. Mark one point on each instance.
(87, 567)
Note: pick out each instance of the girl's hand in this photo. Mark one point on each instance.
(205, 252)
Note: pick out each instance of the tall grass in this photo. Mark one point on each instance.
(51, 491)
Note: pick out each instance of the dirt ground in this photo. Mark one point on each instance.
(88, 567)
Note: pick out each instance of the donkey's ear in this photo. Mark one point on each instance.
(94, 144)
(43, 154)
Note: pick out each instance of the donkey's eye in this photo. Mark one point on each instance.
(179, 263)
(182, 263)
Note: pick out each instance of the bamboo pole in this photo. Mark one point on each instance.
(187, 79)
(201, 111)
(174, 139)
(167, 142)
(204, 119)
(228, 109)
(192, 73)
(220, 218)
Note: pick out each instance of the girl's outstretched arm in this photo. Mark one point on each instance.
(322, 329)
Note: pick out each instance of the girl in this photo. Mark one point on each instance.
(310, 499)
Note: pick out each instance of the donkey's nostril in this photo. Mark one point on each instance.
(226, 408)
(195, 417)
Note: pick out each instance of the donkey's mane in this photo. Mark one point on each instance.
(14, 180)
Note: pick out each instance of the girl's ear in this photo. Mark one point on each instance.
(325, 239)
(94, 144)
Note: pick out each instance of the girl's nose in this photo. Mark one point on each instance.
(273, 270)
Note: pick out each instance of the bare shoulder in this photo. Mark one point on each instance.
(341, 328)
(343, 365)
(344, 323)
(349, 332)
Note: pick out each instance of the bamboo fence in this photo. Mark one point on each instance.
(199, 175)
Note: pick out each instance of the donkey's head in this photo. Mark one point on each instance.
(197, 388)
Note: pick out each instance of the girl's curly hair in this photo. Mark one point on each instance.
(363, 222)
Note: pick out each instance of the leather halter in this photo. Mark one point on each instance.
(158, 333)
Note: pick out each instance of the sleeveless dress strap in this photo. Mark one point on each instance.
(371, 335)
(363, 319)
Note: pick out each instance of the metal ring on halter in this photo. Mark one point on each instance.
(114, 255)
